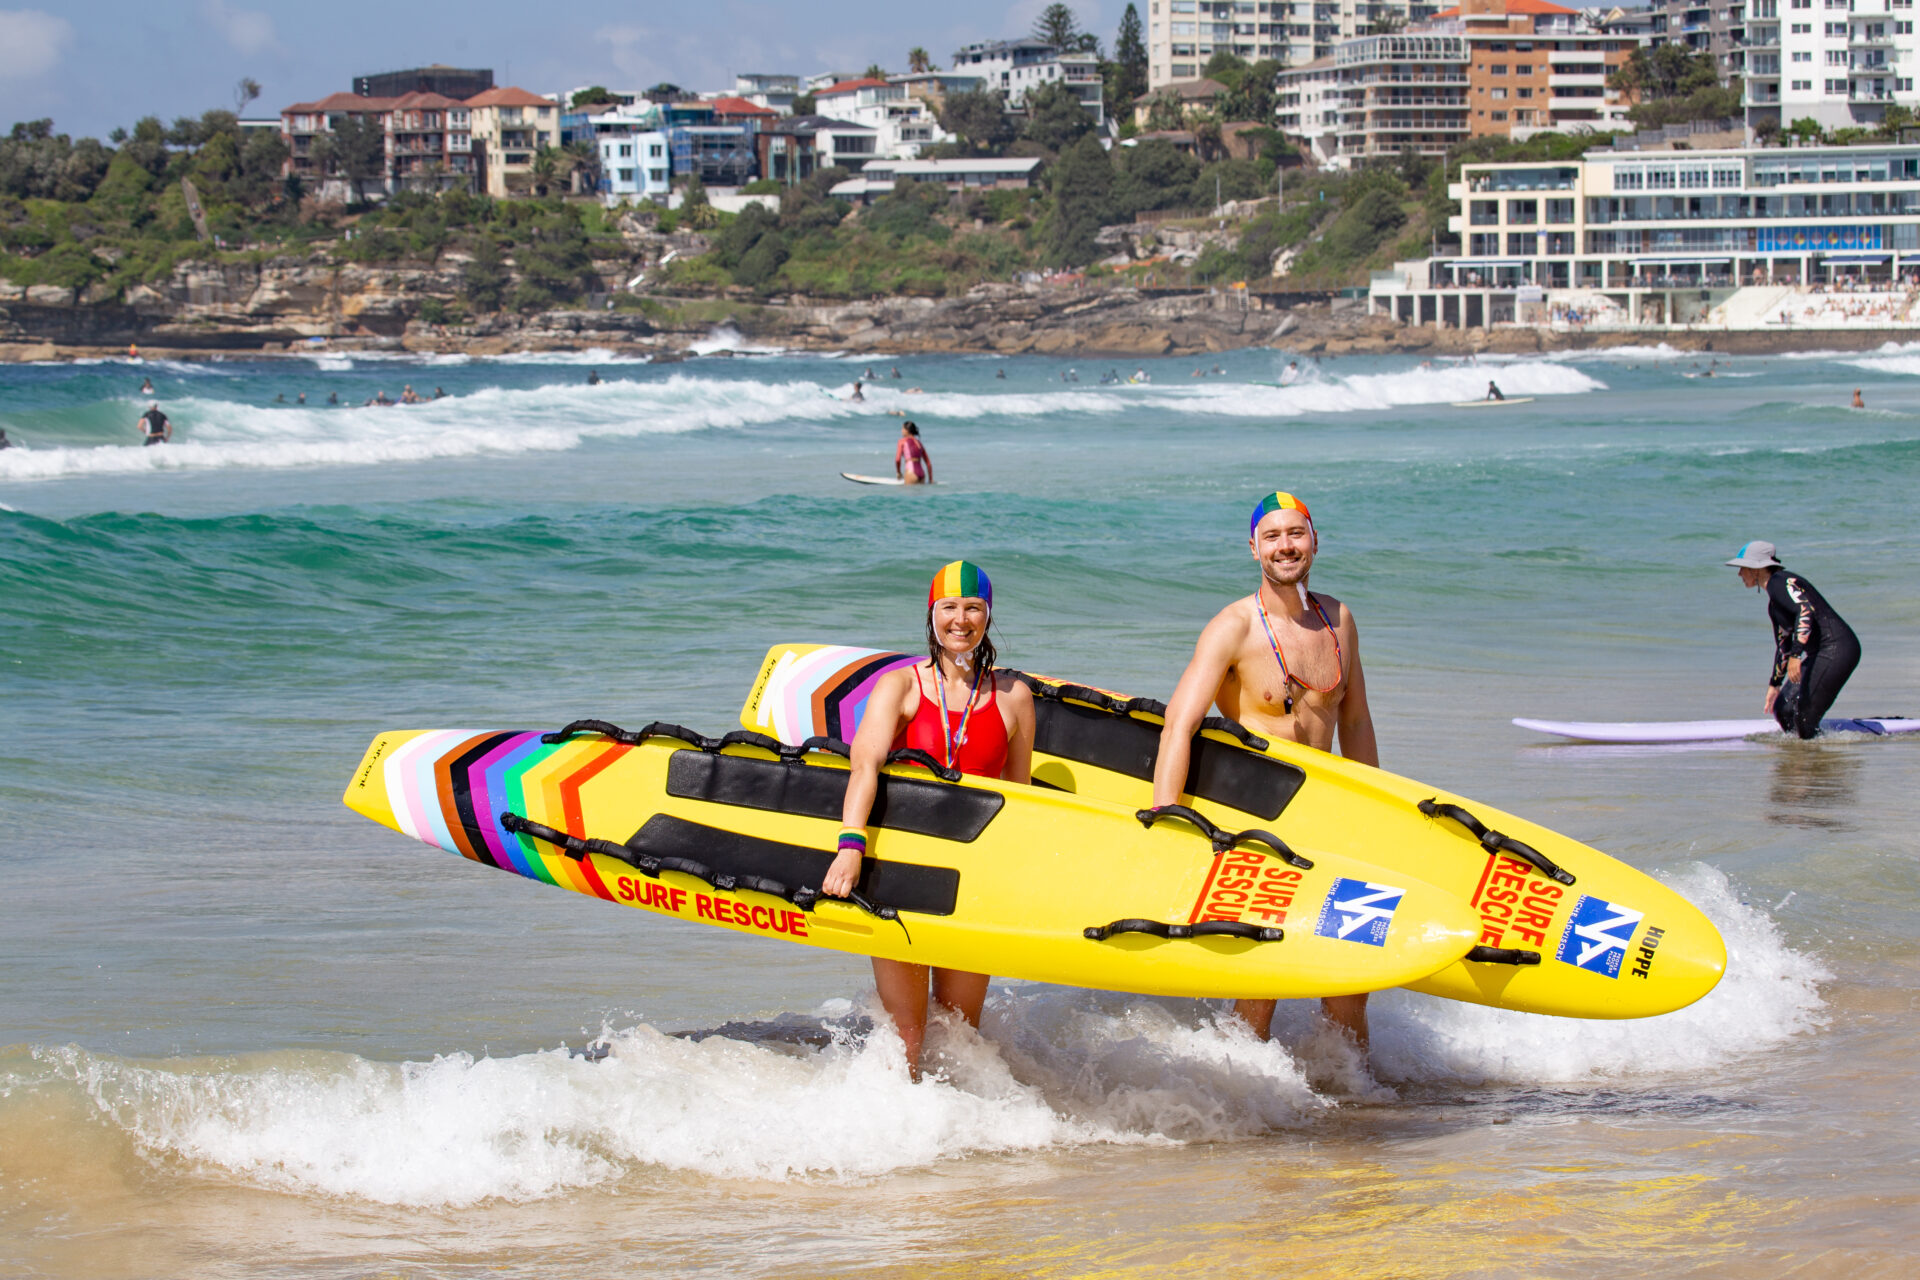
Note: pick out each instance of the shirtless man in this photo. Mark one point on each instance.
(1284, 662)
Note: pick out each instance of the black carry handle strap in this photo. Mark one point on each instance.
(1223, 840)
(1501, 955)
(607, 729)
(1494, 842)
(1128, 706)
(1202, 929)
(914, 755)
(699, 741)
(650, 866)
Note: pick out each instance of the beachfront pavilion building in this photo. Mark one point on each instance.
(1647, 238)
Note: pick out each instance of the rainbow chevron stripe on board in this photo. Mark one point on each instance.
(476, 777)
(820, 690)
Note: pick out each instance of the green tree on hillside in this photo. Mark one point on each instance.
(980, 117)
(1129, 78)
(1057, 26)
(1056, 118)
(1157, 175)
(594, 96)
(1082, 202)
(38, 164)
(354, 149)
(483, 281)
(1666, 71)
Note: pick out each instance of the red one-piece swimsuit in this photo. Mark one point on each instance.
(983, 754)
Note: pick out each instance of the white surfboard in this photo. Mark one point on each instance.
(894, 480)
(1491, 404)
(1701, 730)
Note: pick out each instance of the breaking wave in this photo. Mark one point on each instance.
(819, 1097)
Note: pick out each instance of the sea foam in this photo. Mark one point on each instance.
(819, 1096)
(211, 433)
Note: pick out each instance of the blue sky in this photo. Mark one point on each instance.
(99, 63)
(95, 64)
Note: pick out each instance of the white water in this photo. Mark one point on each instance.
(213, 433)
(808, 1097)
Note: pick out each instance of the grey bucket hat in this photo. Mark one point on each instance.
(1756, 555)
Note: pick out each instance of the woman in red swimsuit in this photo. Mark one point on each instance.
(959, 710)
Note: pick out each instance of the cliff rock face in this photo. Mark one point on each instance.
(287, 299)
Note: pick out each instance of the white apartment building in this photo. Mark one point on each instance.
(902, 124)
(635, 166)
(1183, 34)
(774, 92)
(1837, 62)
(1011, 67)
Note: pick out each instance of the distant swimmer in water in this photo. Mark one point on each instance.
(408, 395)
(868, 375)
(301, 398)
(281, 398)
(895, 372)
(146, 387)
(333, 397)
(858, 395)
(1814, 650)
(1140, 375)
(1493, 392)
(593, 377)
(439, 394)
(910, 460)
(1858, 403)
(154, 425)
(4, 442)
(1000, 374)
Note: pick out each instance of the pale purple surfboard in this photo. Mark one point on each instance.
(1701, 730)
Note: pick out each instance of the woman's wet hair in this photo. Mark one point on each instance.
(984, 654)
(912, 429)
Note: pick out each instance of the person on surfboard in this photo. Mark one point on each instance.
(1284, 662)
(1493, 391)
(1814, 650)
(910, 460)
(963, 713)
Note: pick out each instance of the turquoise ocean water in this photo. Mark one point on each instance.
(243, 1031)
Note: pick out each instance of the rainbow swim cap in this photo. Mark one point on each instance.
(961, 579)
(1279, 502)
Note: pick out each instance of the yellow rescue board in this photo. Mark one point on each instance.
(970, 874)
(1613, 943)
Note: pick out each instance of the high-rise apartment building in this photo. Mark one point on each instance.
(1182, 35)
(1839, 63)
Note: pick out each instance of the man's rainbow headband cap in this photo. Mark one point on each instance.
(1279, 502)
(962, 578)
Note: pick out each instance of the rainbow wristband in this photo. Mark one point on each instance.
(853, 838)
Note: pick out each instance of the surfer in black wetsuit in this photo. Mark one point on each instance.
(154, 425)
(1493, 392)
(1814, 650)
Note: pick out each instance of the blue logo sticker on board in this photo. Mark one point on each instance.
(1597, 935)
(1359, 911)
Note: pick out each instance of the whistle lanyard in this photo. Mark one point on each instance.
(954, 740)
(1287, 677)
